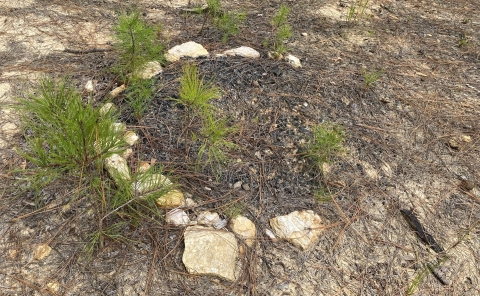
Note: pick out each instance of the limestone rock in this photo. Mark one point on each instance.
(172, 199)
(108, 107)
(42, 251)
(89, 86)
(150, 69)
(301, 228)
(188, 49)
(117, 167)
(244, 228)
(207, 218)
(10, 128)
(177, 217)
(150, 183)
(115, 92)
(243, 51)
(130, 137)
(185, 3)
(294, 61)
(210, 252)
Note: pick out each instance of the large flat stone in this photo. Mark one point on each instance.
(210, 252)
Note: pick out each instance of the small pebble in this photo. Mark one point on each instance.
(467, 185)
(246, 187)
(237, 185)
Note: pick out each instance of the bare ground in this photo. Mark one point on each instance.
(399, 156)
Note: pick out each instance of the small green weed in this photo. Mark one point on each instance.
(234, 210)
(326, 143)
(195, 93)
(371, 76)
(356, 12)
(281, 29)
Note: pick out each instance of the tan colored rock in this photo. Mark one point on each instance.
(42, 251)
(10, 128)
(188, 49)
(244, 228)
(301, 228)
(117, 91)
(117, 168)
(53, 286)
(210, 252)
(170, 200)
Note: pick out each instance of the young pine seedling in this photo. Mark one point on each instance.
(326, 143)
(195, 92)
(136, 43)
(370, 77)
(281, 29)
(215, 133)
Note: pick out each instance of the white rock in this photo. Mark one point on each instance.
(89, 86)
(108, 107)
(127, 153)
(117, 168)
(53, 286)
(188, 49)
(177, 217)
(118, 127)
(172, 199)
(304, 34)
(237, 184)
(150, 183)
(117, 91)
(301, 228)
(189, 203)
(210, 252)
(270, 235)
(244, 228)
(243, 51)
(130, 137)
(150, 69)
(208, 218)
(294, 61)
(184, 3)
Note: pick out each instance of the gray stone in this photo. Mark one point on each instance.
(210, 252)
(301, 228)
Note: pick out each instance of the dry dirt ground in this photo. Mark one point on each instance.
(400, 141)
